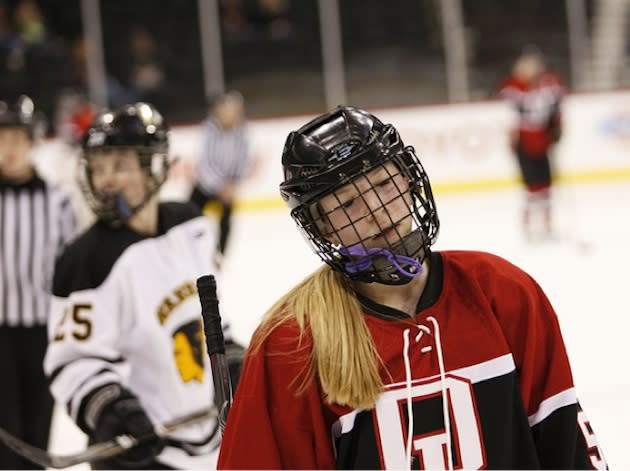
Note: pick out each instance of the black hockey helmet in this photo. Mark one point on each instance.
(140, 127)
(20, 114)
(337, 149)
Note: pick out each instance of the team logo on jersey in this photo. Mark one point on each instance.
(429, 439)
(174, 299)
(188, 350)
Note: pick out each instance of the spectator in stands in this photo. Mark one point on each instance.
(234, 20)
(272, 16)
(536, 94)
(75, 76)
(146, 74)
(12, 55)
(30, 23)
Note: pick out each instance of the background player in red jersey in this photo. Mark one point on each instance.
(392, 355)
(536, 94)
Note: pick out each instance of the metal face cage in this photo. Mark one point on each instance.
(377, 223)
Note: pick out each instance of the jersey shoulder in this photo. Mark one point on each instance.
(488, 269)
(87, 261)
(172, 214)
(512, 293)
(511, 85)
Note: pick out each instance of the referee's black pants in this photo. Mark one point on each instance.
(225, 217)
(26, 405)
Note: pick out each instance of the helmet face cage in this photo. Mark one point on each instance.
(140, 128)
(401, 216)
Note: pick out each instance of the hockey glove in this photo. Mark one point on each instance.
(111, 411)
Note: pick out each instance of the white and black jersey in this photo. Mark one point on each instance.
(37, 220)
(225, 156)
(126, 310)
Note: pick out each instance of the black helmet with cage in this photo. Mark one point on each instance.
(139, 127)
(343, 147)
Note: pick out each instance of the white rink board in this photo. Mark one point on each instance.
(457, 143)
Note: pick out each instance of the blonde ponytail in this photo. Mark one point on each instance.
(344, 356)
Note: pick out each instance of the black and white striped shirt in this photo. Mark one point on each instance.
(37, 220)
(224, 156)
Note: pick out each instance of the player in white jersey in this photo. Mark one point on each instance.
(126, 339)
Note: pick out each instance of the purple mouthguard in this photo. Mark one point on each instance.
(365, 262)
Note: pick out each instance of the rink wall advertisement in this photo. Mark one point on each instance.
(464, 147)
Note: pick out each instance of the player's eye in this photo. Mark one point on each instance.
(123, 166)
(347, 203)
(385, 182)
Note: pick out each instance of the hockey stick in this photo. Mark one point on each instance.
(98, 451)
(215, 344)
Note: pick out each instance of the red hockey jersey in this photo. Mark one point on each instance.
(538, 107)
(503, 397)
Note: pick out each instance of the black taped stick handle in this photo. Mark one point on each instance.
(207, 289)
(215, 344)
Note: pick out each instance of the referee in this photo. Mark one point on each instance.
(225, 160)
(36, 221)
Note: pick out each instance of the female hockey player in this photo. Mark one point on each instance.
(126, 343)
(536, 94)
(392, 355)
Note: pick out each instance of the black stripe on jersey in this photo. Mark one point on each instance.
(31, 258)
(3, 266)
(577, 453)
(69, 403)
(56, 372)
(27, 251)
(19, 287)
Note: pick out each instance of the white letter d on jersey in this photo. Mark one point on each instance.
(430, 449)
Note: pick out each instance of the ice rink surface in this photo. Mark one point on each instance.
(585, 273)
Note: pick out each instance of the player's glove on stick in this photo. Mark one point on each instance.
(112, 411)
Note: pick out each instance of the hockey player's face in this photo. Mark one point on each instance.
(375, 209)
(15, 146)
(118, 173)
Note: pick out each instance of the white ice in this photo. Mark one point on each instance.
(584, 273)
